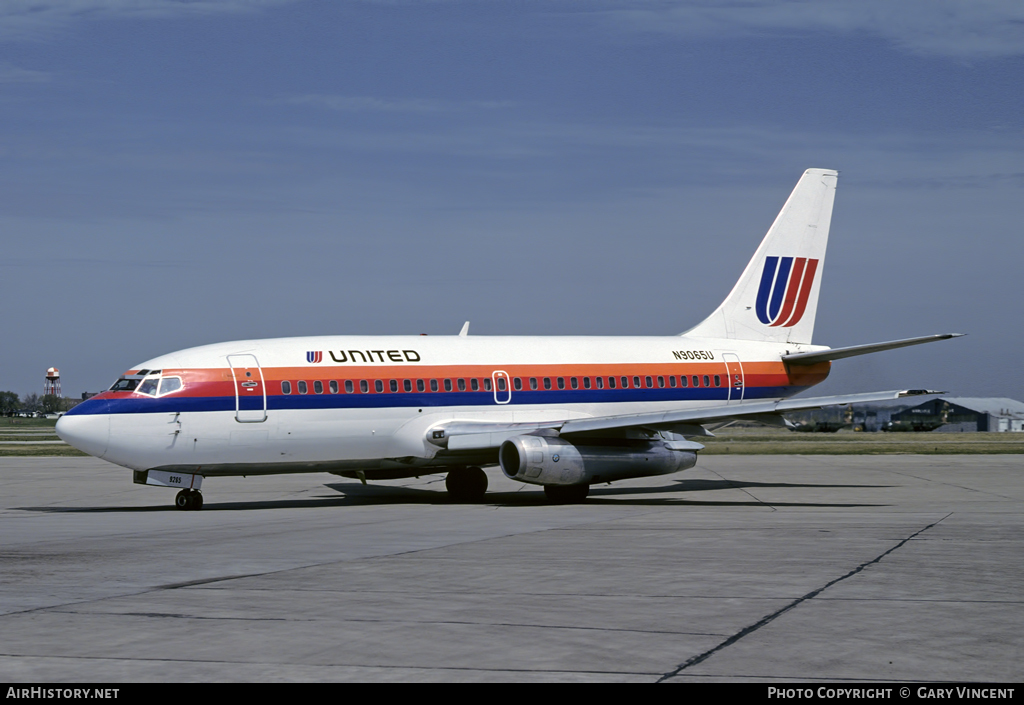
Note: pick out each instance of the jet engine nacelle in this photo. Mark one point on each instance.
(542, 460)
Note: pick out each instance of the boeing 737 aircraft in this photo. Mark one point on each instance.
(559, 412)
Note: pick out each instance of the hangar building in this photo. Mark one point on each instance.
(953, 414)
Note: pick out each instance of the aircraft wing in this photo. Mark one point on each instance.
(473, 435)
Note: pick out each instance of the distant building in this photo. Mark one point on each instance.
(871, 418)
(962, 414)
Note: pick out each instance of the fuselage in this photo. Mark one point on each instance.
(367, 404)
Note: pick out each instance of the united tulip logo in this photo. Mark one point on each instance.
(317, 356)
(785, 287)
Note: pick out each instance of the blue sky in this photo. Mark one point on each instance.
(180, 173)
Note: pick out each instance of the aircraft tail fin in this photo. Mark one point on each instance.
(776, 297)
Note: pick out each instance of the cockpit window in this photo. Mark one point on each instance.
(124, 385)
(148, 386)
(169, 384)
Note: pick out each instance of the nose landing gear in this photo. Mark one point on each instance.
(189, 500)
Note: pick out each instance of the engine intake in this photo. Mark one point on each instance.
(542, 460)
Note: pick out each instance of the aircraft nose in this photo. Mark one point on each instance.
(90, 433)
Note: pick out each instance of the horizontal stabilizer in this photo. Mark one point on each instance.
(811, 358)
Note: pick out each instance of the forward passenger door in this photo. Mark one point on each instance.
(250, 389)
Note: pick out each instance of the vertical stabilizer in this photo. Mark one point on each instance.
(776, 298)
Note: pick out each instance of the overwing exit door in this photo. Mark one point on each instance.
(250, 389)
(502, 387)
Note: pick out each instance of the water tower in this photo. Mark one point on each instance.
(52, 383)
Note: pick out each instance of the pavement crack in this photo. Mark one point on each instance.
(737, 486)
(700, 658)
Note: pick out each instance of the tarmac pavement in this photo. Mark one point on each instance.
(745, 568)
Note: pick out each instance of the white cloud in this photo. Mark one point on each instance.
(10, 73)
(391, 105)
(37, 19)
(958, 28)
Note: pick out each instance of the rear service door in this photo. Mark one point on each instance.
(734, 373)
(250, 389)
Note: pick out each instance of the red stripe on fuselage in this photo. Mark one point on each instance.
(219, 382)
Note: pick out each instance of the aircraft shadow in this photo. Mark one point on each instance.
(357, 494)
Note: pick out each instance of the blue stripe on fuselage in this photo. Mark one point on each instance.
(145, 405)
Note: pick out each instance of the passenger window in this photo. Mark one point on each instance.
(447, 385)
(683, 381)
(303, 388)
(169, 384)
(393, 385)
(502, 386)
(407, 385)
(636, 383)
(533, 382)
(378, 384)
(462, 385)
(586, 382)
(517, 384)
(421, 386)
(718, 381)
(611, 383)
(348, 387)
(487, 384)
(661, 381)
(672, 381)
(696, 381)
(547, 383)
(574, 383)
(600, 382)
(707, 382)
(648, 382)
(561, 382)
(364, 386)
(625, 382)
(433, 385)
(286, 387)
(474, 385)
(333, 386)
(318, 387)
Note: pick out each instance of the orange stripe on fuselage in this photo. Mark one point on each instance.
(207, 382)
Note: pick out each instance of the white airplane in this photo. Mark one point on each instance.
(559, 412)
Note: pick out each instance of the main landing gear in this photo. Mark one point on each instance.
(189, 499)
(466, 484)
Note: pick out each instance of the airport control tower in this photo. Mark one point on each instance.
(52, 383)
